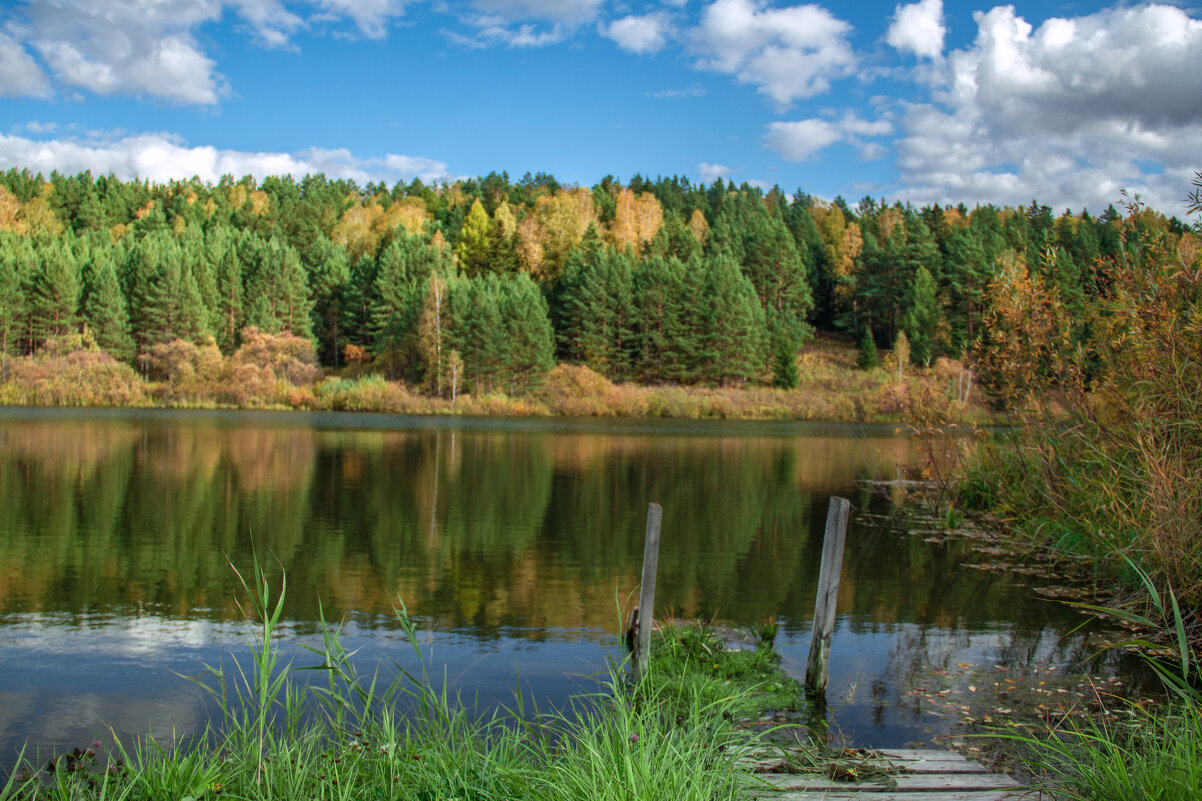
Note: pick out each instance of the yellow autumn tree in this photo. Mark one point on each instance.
(363, 225)
(636, 220)
(699, 226)
(557, 223)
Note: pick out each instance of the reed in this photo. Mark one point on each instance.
(347, 735)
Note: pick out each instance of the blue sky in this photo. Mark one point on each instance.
(1067, 103)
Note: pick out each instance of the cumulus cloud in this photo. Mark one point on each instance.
(918, 28)
(1068, 112)
(801, 139)
(639, 34)
(20, 76)
(149, 47)
(786, 53)
(137, 47)
(161, 157)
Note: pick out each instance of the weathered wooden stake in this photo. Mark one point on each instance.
(828, 591)
(642, 646)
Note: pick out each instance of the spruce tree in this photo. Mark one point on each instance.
(922, 318)
(867, 358)
(785, 374)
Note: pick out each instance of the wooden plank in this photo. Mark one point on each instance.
(913, 760)
(908, 760)
(828, 590)
(642, 651)
(901, 782)
(957, 795)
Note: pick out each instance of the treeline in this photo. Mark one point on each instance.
(481, 285)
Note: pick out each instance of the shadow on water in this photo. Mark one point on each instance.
(512, 542)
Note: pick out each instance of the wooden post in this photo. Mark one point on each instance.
(642, 646)
(828, 591)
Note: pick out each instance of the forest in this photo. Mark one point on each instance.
(483, 285)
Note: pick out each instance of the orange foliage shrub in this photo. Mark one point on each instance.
(577, 391)
(69, 371)
(288, 357)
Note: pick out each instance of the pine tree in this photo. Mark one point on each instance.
(280, 293)
(106, 315)
(230, 314)
(733, 348)
(16, 261)
(478, 331)
(329, 276)
(400, 289)
(54, 293)
(503, 258)
(596, 309)
(531, 341)
(658, 340)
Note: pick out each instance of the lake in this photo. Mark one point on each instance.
(514, 543)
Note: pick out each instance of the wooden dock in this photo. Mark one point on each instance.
(895, 774)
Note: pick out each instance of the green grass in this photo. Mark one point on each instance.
(346, 735)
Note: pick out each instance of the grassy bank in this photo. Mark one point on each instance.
(278, 373)
(345, 735)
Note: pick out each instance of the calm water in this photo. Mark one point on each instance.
(512, 542)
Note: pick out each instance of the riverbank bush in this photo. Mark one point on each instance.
(69, 371)
(279, 371)
(1106, 456)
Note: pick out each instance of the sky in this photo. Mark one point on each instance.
(1065, 103)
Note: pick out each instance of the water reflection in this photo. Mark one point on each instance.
(514, 541)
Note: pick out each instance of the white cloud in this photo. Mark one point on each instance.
(135, 47)
(711, 172)
(1067, 113)
(20, 76)
(161, 157)
(150, 47)
(801, 139)
(40, 127)
(524, 23)
(428, 170)
(787, 53)
(372, 16)
(639, 34)
(918, 28)
(271, 23)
